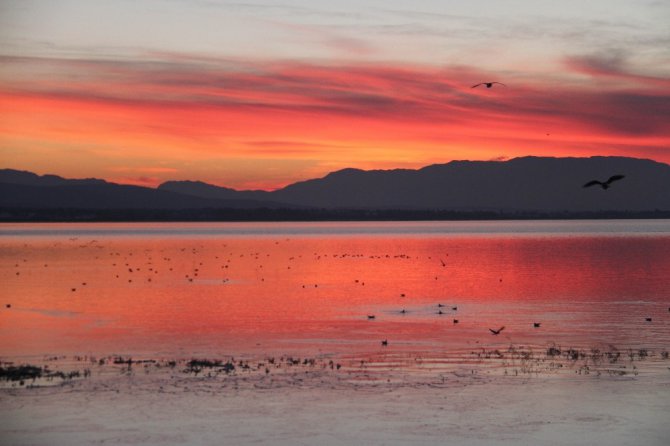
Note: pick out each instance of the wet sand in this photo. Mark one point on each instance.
(288, 401)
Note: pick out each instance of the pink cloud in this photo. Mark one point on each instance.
(399, 113)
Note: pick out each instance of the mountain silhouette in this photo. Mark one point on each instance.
(204, 190)
(11, 176)
(521, 184)
(528, 184)
(25, 189)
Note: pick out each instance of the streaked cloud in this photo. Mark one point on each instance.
(144, 169)
(259, 94)
(613, 65)
(410, 94)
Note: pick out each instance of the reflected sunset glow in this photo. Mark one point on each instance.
(278, 293)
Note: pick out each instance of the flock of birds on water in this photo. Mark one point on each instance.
(149, 266)
(196, 271)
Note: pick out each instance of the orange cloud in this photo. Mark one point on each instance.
(184, 113)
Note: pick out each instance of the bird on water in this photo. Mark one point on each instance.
(497, 332)
(605, 185)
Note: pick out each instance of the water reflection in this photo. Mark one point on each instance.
(198, 293)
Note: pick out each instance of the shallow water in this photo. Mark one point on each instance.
(187, 290)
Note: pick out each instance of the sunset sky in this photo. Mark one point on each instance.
(260, 95)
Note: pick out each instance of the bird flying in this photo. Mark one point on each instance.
(497, 332)
(488, 84)
(606, 184)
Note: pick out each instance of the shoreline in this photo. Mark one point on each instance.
(381, 365)
(306, 403)
(262, 215)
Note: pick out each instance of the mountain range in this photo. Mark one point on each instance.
(527, 184)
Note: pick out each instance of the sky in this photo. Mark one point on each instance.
(258, 95)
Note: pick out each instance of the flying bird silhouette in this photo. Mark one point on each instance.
(606, 184)
(488, 84)
(497, 332)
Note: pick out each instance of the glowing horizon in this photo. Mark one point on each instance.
(297, 90)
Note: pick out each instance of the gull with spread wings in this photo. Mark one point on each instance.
(606, 184)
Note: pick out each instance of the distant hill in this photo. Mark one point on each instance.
(11, 176)
(521, 186)
(20, 189)
(204, 190)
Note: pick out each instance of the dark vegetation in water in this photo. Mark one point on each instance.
(516, 360)
(23, 373)
(267, 214)
(264, 366)
(195, 366)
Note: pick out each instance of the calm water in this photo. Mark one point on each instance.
(180, 290)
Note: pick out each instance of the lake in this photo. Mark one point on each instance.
(181, 290)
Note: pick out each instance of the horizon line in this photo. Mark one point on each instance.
(493, 160)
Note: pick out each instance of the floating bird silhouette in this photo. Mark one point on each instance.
(385, 343)
(488, 84)
(606, 184)
(536, 324)
(497, 332)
